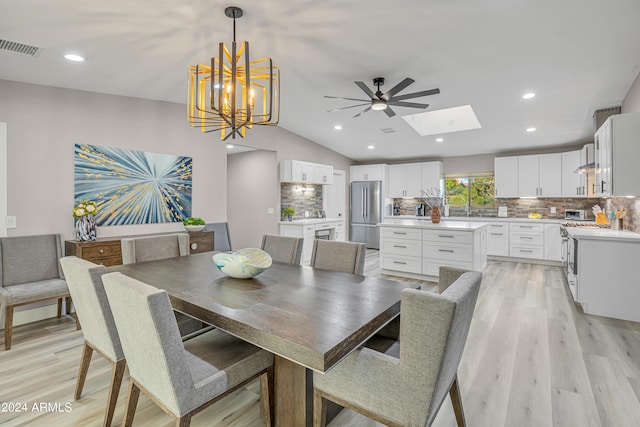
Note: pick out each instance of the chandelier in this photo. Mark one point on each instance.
(233, 93)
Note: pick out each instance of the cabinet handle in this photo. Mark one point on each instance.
(446, 250)
(398, 232)
(399, 246)
(525, 226)
(525, 250)
(399, 262)
(527, 238)
(497, 234)
(446, 235)
(194, 246)
(582, 192)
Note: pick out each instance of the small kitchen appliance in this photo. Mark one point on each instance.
(578, 215)
(420, 209)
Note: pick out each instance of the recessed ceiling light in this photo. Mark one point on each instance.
(74, 58)
(529, 95)
(531, 129)
(439, 139)
(371, 147)
(230, 145)
(337, 127)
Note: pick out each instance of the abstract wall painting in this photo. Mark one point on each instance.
(133, 187)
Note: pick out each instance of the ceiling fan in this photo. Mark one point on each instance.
(382, 101)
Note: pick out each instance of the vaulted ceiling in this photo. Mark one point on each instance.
(576, 55)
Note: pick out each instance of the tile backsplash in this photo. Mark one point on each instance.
(520, 208)
(301, 197)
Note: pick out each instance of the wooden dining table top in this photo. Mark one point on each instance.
(310, 316)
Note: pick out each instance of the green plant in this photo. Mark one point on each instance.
(85, 207)
(288, 211)
(193, 221)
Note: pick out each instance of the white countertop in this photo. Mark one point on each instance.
(603, 234)
(308, 221)
(480, 218)
(426, 223)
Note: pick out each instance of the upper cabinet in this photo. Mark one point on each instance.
(322, 174)
(573, 184)
(617, 150)
(537, 175)
(409, 179)
(368, 172)
(305, 172)
(506, 176)
(432, 175)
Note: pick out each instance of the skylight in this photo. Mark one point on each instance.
(448, 120)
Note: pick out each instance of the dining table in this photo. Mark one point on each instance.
(309, 318)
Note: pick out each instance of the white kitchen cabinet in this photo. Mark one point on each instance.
(552, 242)
(340, 234)
(463, 249)
(506, 176)
(405, 180)
(367, 172)
(573, 184)
(305, 172)
(401, 249)
(540, 175)
(322, 174)
(432, 173)
(526, 240)
(616, 156)
(498, 238)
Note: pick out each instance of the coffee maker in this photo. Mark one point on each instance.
(420, 209)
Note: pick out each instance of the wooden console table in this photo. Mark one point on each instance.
(107, 251)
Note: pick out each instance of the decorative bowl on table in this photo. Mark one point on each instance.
(193, 228)
(244, 263)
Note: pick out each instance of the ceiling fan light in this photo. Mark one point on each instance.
(378, 105)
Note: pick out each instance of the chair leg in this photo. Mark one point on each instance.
(184, 421)
(78, 325)
(59, 308)
(319, 409)
(114, 389)
(456, 400)
(68, 305)
(8, 326)
(266, 397)
(132, 402)
(85, 360)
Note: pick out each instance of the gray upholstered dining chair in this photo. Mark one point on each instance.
(344, 257)
(162, 246)
(181, 382)
(98, 327)
(405, 384)
(151, 248)
(282, 248)
(30, 273)
(221, 239)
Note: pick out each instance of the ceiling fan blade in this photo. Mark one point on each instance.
(416, 94)
(407, 104)
(366, 90)
(348, 99)
(345, 108)
(363, 111)
(389, 112)
(397, 88)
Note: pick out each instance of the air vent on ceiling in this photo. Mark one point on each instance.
(24, 49)
(387, 130)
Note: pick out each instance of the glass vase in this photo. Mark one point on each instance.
(86, 228)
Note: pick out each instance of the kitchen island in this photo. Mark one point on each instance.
(603, 272)
(417, 248)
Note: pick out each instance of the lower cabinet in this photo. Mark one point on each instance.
(307, 232)
(526, 240)
(423, 251)
(552, 242)
(498, 238)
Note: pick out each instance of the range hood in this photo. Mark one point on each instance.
(587, 158)
(589, 167)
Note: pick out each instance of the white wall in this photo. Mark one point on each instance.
(631, 103)
(45, 122)
(252, 185)
(3, 178)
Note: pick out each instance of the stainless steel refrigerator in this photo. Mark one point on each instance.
(366, 212)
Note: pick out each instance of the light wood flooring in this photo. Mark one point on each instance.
(531, 359)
